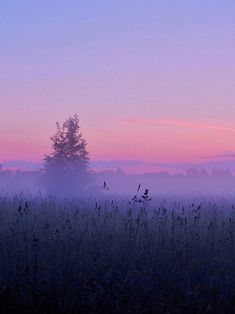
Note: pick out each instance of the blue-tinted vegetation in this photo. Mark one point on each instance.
(112, 254)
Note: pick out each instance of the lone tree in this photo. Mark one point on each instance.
(65, 170)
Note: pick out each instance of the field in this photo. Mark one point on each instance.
(117, 254)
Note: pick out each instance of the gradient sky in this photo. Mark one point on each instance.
(151, 80)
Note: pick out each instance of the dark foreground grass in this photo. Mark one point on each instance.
(117, 256)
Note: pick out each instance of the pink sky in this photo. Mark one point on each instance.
(154, 82)
(130, 138)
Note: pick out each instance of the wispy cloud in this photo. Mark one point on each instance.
(180, 123)
(221, 156)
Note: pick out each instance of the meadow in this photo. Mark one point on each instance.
(117, 254)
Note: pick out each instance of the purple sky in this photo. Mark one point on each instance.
(150, 80)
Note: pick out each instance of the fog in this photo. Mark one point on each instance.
(192, 182)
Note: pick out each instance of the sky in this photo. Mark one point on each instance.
(150, 80)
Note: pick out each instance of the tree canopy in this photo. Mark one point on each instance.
(66, 168)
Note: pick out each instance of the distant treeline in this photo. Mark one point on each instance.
(193, 181)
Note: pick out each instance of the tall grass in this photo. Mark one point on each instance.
(117, 255)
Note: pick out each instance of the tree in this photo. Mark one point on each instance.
(65, 170)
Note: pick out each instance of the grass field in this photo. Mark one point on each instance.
(116, 254)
